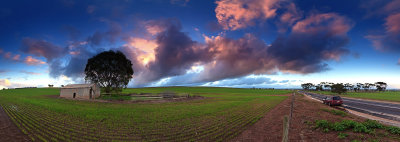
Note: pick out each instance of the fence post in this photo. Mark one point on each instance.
(286, 122)
(285, 129)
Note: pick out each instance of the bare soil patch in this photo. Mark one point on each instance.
(306, 111)
(9, 132)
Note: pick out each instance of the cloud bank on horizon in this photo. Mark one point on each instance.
(163, 52)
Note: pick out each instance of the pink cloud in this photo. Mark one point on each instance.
(237, 14)
(42, 48)
(398, 62)
(393, 23)
(392, 6)
(7, 55)
(74, 52)
(32, 61)
(389, 40)
(337, 25)
(16, 57)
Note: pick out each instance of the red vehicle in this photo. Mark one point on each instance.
(333, 101)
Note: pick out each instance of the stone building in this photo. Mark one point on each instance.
(80, 91)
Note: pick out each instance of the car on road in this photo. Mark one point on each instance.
(333, 101)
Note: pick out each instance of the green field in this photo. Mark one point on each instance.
(393, 96)
(224, 113)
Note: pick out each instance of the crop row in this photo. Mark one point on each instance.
(44, 125)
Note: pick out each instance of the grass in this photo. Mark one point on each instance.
(335, 112)
(393, 96)
(367, 127)
(224, 114)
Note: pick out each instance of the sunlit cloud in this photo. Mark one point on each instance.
(237, 14)
(16, 57)
(32, 61)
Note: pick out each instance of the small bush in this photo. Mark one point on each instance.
(372, 124)
(342, 135)
(393, 130)
(359, 127)
(349, 123)
(338, 126)
(322, 124)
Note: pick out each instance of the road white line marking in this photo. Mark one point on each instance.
(373, 104)
(381, 113)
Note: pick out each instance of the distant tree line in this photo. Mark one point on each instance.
(343, 87)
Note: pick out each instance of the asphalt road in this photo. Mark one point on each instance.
(379, 109)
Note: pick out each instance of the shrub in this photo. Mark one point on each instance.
(393, 130)
(338, 126)
(372, 124)
(342, 135)
(321, 124)
(359, 127)
(349, 123)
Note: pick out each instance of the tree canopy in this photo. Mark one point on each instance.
(110, 69)
(338, 88)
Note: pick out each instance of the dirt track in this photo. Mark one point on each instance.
(9, 132)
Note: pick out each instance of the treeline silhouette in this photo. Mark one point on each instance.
(343, 87)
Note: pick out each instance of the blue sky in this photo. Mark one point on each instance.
(233, 43)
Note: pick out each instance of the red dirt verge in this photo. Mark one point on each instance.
(302, 126)
(9, 132)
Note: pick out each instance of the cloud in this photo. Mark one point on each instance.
(175, 53)
(168, 55)
(29, 60)
(390, 40)
(318, 38)
(237, 14)
(234, 58)
(42, 48)
(32, 61)
(16, 57)
(393, 24)
(378, 8)
(314, 40)
(110, 35)
(5, 83)
(242, 81)
(30, 73)
(289, 17)
(7, 55)
(3, 71)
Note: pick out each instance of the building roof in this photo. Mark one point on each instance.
(78, 86)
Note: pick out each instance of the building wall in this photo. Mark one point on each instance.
(81, 93)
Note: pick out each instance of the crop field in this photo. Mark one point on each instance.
(385, 96)
(223, 114)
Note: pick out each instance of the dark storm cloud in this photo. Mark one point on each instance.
(74, 67)
(42, 48)
(176, 52)
(235, 58)
(312, 42)
(110, 36)
(56, 68)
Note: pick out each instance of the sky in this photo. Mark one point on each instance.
(225, 43)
